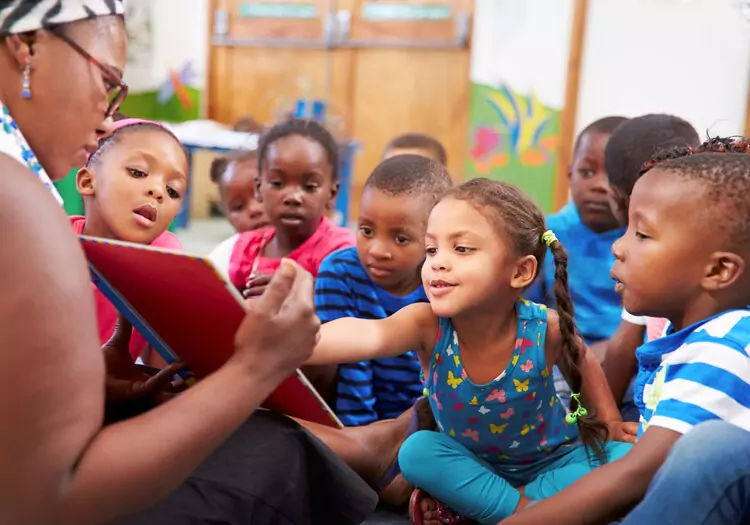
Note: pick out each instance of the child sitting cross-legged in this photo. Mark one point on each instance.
(685, 257)
(504, 437)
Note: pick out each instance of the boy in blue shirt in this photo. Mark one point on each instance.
(377, 278)
(685, 257)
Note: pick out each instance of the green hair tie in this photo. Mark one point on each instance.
(549, 238)
(572, 417)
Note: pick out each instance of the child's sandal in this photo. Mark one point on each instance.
(445, 514)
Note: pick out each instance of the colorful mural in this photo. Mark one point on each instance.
(514, 138)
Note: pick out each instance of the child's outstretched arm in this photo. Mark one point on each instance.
(349, 340)
(607, 493)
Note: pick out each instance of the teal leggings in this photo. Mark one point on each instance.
(449, 472)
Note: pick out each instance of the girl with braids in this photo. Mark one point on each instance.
(504, 437)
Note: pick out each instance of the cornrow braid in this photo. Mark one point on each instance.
(307, 128)
(521, 224)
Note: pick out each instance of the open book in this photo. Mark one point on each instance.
(188, 311)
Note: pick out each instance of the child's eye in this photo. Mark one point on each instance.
(366, 231)
(402, 239)
(464, 249)
(641, 236)
(430, 250)
(173, 192)
(276, 184)
(137, 173)
(586, 172)
(237, 206)
(311, 187)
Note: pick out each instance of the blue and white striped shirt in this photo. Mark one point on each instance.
(369, 390)
(698, 374)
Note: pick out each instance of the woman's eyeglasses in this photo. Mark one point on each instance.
(117, 90)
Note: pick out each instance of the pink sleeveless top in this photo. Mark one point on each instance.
(246, 255)
(106, 313)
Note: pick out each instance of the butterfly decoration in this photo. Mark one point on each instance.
(176, 86)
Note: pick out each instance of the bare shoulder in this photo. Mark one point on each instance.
(422, 316)
(553, 337)
(51, 365)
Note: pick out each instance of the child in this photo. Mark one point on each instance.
(235, 177)
(684, 257)
(297, 184)
(416, 144)
(487, 356)
(631, 145)
(377, 278)
(132, 188)
(587, 229)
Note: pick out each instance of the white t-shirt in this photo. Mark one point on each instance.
(640, 320)
(221, 255)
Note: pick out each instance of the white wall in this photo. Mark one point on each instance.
(523, 43)
(690, 58)
(178, 33)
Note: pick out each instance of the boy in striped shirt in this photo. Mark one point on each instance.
(377, 278)
(685, 257)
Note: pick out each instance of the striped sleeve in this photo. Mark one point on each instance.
(704, 380)
(334, 298)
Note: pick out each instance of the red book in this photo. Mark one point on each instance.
(188, 311)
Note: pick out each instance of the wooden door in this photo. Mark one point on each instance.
(383, 70)
(409, 75)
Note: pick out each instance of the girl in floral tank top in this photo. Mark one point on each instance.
(504, 437)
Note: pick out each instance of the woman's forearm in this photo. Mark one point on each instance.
(153, 453)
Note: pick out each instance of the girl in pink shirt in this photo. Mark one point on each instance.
(132, 188)
(297, 184)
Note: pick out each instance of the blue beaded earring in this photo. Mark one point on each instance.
(26, 83)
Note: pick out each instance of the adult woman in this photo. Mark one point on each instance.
(57, 463)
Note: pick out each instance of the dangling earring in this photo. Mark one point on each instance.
(26, 83)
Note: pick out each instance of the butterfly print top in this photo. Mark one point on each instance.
(515, 420)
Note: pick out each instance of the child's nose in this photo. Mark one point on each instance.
(293, 196)
(378, 250)
(617, 249)
(156, 192)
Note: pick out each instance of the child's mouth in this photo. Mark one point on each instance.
(146, 215)
(619, 286)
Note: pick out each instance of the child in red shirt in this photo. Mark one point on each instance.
(297, 184)
(132, 189)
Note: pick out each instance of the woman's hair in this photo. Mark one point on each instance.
(220, 164)
(521, 225)
(309, 129)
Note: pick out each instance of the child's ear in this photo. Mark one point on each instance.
(334, 193)
(724, 269)
(525, 272)
(85, 183)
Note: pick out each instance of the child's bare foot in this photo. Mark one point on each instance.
(429, 509)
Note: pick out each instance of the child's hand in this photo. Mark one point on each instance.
(256, 285)
(125, 380)
(621, 431)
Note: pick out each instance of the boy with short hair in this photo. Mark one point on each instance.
(685, 257)
(380, 276)
(629, 147)
(416, 144)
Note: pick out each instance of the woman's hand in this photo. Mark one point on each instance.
(256, 284)
(621, 431)
(126, 381)
(280, 329)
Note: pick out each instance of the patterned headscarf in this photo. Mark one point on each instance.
(19, 16)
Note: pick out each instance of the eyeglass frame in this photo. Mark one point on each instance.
(109, 76)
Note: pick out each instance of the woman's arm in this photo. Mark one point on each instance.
(350, 340)
(57, 465)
